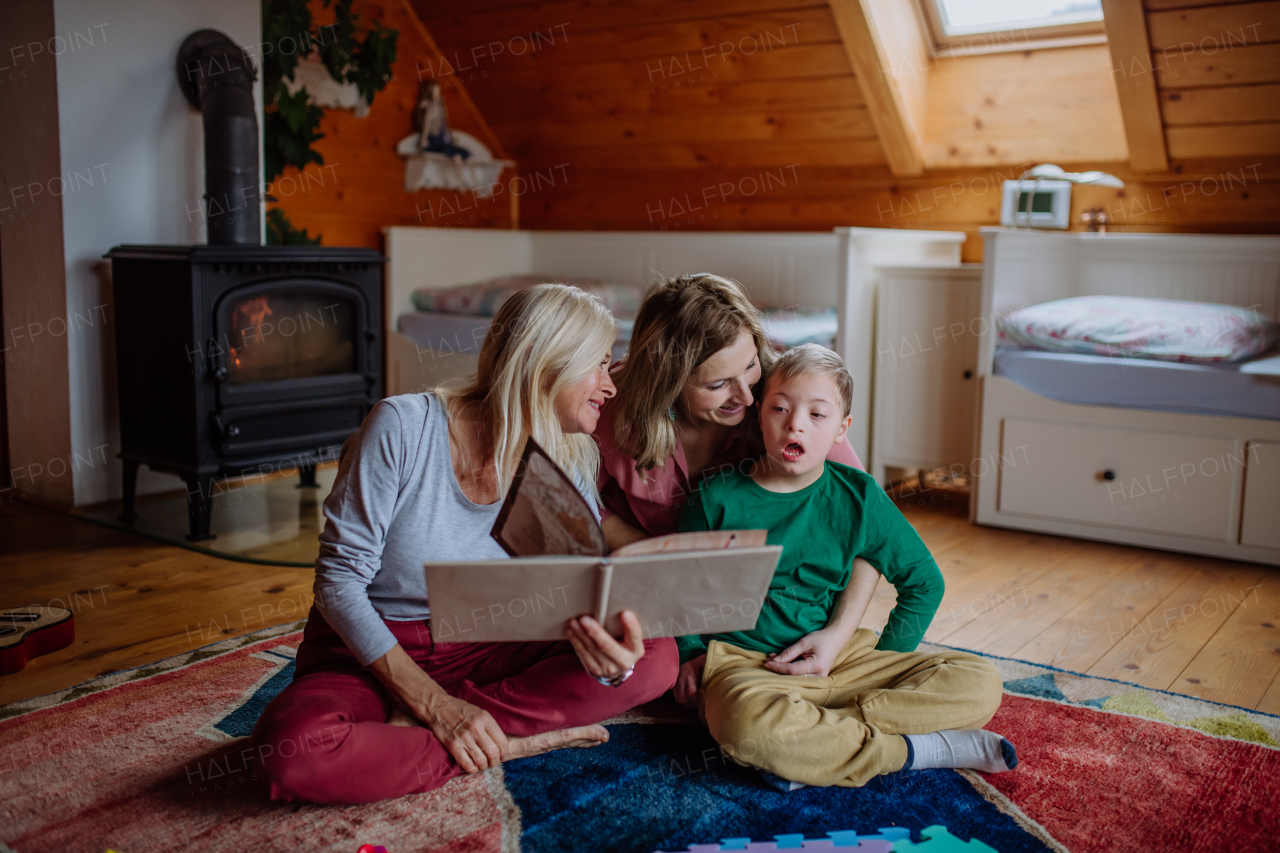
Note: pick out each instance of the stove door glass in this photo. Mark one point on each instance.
(290, 336)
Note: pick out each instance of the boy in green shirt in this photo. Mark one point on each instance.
(806, 696)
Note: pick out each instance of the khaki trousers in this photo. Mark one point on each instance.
(845, 728)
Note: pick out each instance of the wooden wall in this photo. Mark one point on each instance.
(360, 187)
(1217, 67)
(747, 115)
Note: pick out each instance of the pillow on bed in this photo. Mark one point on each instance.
(791, 327)
(1163, 329)
(484, 298)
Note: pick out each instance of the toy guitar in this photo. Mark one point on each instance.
(28, 632)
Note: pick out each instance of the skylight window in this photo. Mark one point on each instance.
(982, 26)
(989, 16)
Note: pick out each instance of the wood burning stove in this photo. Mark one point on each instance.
(238, 360)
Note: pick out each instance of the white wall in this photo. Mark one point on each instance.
(125, 122)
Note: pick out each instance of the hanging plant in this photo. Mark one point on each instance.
(280, 231)
(352, 51)
(352, 56)
(292, 125)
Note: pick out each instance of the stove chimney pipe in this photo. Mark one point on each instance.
(216, 77)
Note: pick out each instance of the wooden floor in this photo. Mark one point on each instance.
(1192, 625)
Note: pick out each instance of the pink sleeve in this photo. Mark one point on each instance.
(842, 452)
(608, 459)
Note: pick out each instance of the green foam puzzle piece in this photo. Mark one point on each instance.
(937, 839)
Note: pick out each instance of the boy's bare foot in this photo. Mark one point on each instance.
(577, 736)
(400, 716)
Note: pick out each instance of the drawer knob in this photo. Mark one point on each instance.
(1108, 474)
(968, 374)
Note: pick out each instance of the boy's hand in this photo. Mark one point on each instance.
(814, 654)
(689, 680)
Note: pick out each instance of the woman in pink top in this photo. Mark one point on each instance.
(684, 409)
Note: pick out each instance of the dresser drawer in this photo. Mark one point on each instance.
(1137, 480)
(1260, 521)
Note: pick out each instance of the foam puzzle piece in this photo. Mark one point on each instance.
(938, 840)
(883, 841)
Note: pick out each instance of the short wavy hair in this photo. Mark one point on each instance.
(814, 359)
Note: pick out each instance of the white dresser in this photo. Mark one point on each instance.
(928, 323)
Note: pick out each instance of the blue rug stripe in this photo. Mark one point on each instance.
(240, 722)
(625, 797)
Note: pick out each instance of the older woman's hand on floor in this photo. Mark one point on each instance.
(471, 734)
(601, 654)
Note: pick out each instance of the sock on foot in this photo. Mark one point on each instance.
(974, 749)
(776, 782)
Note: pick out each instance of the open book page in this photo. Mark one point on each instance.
(544, 513)
(695, 592)
(531, 598)
(702, 540)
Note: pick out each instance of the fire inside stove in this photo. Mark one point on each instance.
(289, 336)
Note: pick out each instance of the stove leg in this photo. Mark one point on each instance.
(130, 483)
(199, 506)
(307, 478)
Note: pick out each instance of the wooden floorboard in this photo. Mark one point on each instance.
(1158, 648)
(135, 601)
(1077, 605)
(984, 583)
(1080, 637)
(1024, 613)
(1242, 660)
(1271, 700)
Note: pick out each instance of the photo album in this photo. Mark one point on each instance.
(560, 567)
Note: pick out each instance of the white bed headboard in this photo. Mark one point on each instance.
(1024, 267)
(777, 268)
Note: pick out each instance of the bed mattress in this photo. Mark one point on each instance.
(445, 334)
(463, 333)
(1132, 383)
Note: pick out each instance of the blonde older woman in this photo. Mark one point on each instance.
(378, 708)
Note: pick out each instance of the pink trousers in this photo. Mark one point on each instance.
(325, 738)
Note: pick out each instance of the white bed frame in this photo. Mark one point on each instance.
(1195, 483)
(778, 269)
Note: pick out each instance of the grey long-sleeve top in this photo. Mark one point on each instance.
(396, 504)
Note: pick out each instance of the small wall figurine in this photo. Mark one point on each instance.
(438, 157)
(431, 120)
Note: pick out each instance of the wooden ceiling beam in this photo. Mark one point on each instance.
(1136, 84)
(875, 57)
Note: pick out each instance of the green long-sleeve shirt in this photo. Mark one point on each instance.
(821, 529)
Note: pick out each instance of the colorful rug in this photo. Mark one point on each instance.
(152, 760)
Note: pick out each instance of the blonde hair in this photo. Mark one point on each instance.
(543, 339)
(814, 359)
(683, 322)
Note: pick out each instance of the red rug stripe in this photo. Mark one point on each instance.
(1100, 781)
(111, 769)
